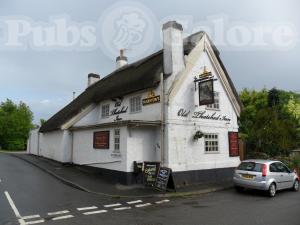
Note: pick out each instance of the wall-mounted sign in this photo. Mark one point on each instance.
(101, 140)
(233, 138)
(203, 115)
(151, 98)
(210, 116)
(206, 92)
(118, 111)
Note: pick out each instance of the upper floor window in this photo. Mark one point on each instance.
(216, 104)
(135, 104)
(211, 142)
(105, 111)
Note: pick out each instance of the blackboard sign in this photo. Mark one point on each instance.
(163, 179)
(150, 172)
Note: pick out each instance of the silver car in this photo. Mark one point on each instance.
(265, 175)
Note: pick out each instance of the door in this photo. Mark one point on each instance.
(275, 174)
(286, 180)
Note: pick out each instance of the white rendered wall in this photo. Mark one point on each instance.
(56, 145)
(32, 144)
(149, 112)
(183, 152)
(85, 154)
(143, 144)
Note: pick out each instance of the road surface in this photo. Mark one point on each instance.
(31, 196)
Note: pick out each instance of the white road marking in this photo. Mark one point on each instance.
(30, 217)
(62, 217)
(34, 222)
(112, 205)
(95, 212)
(14, 208)
(87, 208)
(162, 201)
(134, 202)
(143, 205)
(122, 208)
(58, 212)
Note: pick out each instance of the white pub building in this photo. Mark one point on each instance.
(153, 110)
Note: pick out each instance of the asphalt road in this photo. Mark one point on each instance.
(30, 196)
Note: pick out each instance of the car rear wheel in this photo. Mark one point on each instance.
(272, 190)
(296, 185)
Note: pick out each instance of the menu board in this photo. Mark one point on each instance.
(162, 178)
(101, 140)
(233, 144)
(150, 172)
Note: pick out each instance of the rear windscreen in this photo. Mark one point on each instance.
(250, 166)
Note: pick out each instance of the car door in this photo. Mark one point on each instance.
(288, 177)
(285, 178)
(276, 175)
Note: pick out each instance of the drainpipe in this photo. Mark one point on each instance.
(162, 126)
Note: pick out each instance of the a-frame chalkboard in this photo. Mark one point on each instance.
(164, 179)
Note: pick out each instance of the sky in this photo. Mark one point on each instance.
(47, 48)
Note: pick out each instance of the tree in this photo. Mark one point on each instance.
(15, 124)
(269, 121)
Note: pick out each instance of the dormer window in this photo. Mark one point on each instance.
(136, 104)
(105, 111)
(216, 104)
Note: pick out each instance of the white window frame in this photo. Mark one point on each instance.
(216, 104)
(105, 111)
(117, 140)
(211, 143)
(135, 104)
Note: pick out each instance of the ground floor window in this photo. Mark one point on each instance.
(117, 140)
(211, 142)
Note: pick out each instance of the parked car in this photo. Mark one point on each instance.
(267, 175)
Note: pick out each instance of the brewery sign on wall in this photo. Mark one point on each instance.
(151, 98)
(101, 140)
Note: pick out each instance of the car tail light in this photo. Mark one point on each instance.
(264, 170)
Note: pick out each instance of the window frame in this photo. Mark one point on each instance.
(117, 136)
(211, 145)
(131, 107)
(102, 110)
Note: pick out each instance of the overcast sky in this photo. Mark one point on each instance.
(259, 43)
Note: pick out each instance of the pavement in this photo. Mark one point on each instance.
(29, 195)
(88, 180)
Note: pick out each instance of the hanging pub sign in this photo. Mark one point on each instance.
(205, 87)
(101, 140)
(233, 144)
(151, 98)
(206, 92)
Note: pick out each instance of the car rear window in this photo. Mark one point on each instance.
(250, 166)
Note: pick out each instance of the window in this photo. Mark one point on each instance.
(135, 104)
(216, 104)
(105, 111)
(250, 166)
(211, 142)
(117, 140)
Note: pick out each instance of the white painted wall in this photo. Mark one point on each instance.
(32, 144)
(143, 144)
(183, 152)
(56, 145)
(149, 112)
(85, 154)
